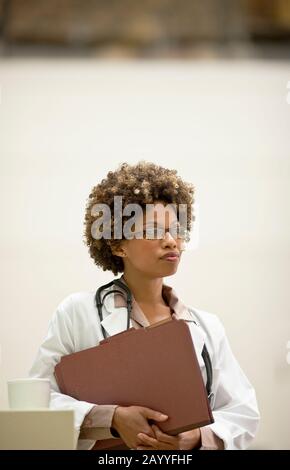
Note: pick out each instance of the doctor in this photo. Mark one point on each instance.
(145, 260)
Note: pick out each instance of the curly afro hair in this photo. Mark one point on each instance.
(143, 183)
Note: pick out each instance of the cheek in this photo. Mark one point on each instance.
(146, 249)
(141, 252)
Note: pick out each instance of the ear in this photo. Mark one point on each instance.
(118, 251)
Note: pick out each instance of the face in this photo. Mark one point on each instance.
(151, 257)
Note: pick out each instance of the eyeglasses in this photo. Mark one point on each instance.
(158, 233)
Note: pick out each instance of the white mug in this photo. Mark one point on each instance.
(33, 393)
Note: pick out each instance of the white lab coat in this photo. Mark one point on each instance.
(75, 326)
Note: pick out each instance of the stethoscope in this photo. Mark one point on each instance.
(122, 287)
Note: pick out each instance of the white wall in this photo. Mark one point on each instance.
(223, 125)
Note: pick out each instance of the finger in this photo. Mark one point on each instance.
(147, 440)
(139, 439)
(144, 448)
(153, 432)
(148, 431)
(156, 415)
(161, 436)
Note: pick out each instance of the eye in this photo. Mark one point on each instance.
(174, 230)
(150, 232)
(153, 233)
(184, 234)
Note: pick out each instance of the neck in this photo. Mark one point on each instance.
(145, 290)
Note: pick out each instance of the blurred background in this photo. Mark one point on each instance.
(200, 86)
(153, 28)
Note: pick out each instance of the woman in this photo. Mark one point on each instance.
(147, 251)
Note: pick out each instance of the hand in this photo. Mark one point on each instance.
(131, 420)
(184, 441)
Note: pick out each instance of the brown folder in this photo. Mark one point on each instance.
(154, 367)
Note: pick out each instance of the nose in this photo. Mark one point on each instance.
(168, 241)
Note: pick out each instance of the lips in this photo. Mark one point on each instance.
(172, 255)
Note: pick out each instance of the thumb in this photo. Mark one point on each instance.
(152, 414)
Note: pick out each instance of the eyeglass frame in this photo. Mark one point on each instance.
(174, 232)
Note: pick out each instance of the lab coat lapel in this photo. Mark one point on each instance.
(197, 334)
(198, 339)
(182, 312)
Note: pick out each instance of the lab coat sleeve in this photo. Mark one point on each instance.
(60, 342)
(235, 407)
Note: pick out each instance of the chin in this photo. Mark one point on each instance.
(170, 271)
